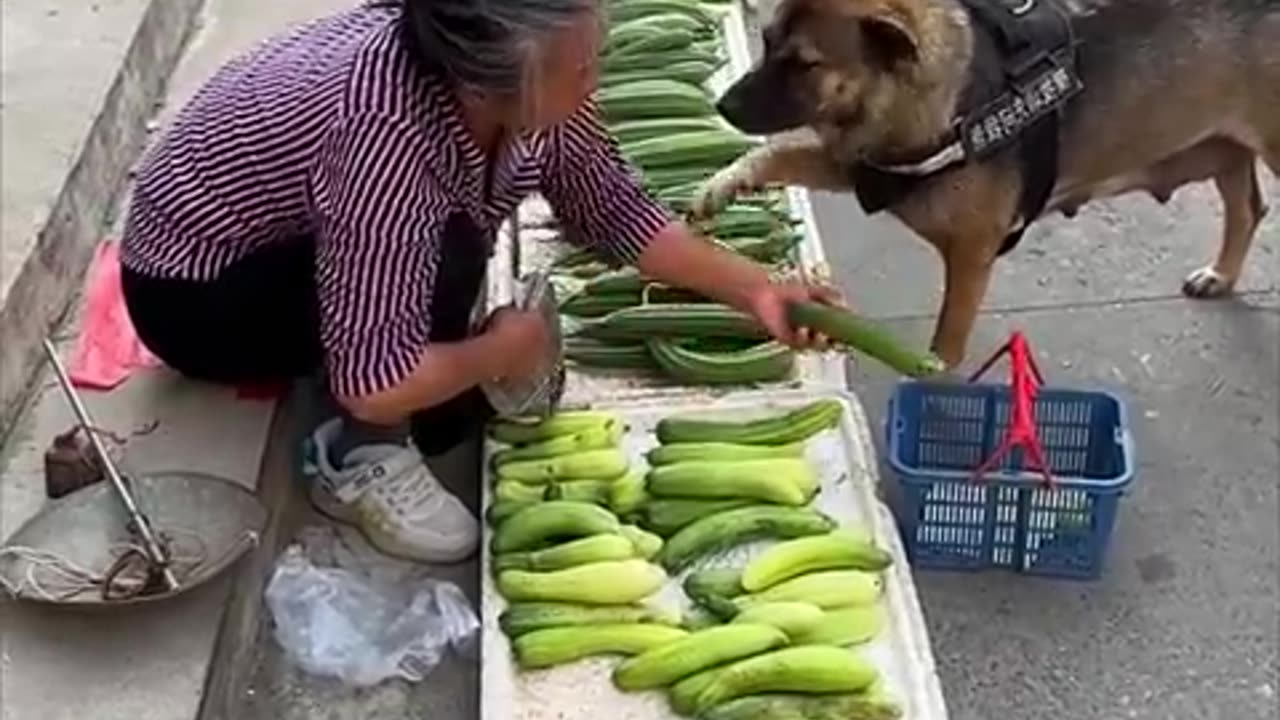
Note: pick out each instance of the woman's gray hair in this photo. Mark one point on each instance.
(490, 46)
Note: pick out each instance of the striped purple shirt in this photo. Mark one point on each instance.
(328, 130)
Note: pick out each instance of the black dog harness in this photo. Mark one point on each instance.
(1022, 75)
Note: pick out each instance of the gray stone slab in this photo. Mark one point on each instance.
(80, 80)
(1122, 248)
(142, 664)
(280, 690)
(268, 685)
(253, 679)
(229, 27)
(1183, 623)
(149, 663)
(83, 46)
(264, 683)
(232, 662)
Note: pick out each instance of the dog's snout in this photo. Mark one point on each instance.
(737, 104)
(725, 106)
(762, 102)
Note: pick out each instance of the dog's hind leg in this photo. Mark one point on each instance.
(1272, 158)
(1243, 209)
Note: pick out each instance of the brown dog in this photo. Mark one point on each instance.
(1167, 92)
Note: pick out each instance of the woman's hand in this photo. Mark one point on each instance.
(521, 337)
(678, 257)
(769, 301)
(511, 344)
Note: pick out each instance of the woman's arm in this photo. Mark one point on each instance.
(376, 265)
(676, 256)
(444, 371)
(590, 186)
(511, 346)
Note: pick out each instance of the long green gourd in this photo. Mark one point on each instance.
(860, 334)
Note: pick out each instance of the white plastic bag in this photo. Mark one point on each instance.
(339, 624)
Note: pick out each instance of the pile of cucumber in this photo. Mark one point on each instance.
(654, 96)
(655, 101)
(574, 573)
(583, 538)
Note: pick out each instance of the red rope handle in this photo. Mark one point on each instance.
(1024, 388)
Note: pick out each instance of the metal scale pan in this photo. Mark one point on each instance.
(88, 529)
(131, 540)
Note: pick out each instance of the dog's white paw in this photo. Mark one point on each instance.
(720, 190)
(1207, 283)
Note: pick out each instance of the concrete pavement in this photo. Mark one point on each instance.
(80, 81)
(154, 663)
(1183, 624)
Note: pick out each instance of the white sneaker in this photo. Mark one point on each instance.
(389, 493)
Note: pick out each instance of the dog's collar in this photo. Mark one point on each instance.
(1036, 44)
(952, 153)
(1022, 74)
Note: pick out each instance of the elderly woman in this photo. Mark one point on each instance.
(327, 203)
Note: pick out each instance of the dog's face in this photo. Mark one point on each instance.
(823, 61)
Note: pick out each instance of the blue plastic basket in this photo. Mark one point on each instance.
(939, 433)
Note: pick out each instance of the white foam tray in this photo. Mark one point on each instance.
(584, 386)
(529, 242)
(845, 460)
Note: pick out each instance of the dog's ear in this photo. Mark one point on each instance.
(888, 40)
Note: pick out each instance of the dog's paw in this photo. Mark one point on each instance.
(720, 190)
(1207, 283)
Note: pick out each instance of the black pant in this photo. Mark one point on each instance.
(258, 322)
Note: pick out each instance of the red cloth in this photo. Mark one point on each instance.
(108, 349)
